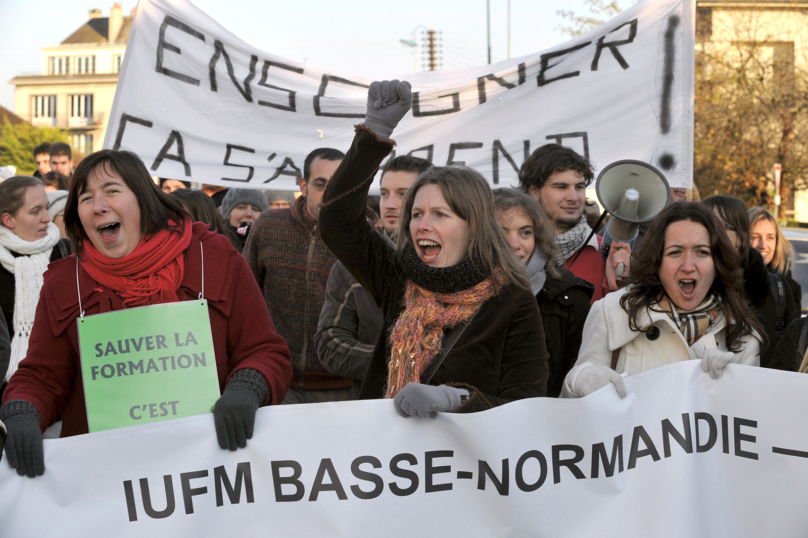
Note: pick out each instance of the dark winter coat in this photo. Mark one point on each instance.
(501, 355)
(564, 305)
(762, 302)
(796, 289)
(787, 355)
(350, 323)
(243, 333)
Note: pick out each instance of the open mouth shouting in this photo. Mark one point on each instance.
(109, 231)
(429, 250)
(688, 287)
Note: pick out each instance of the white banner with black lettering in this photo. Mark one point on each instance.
(197, 103)
(681, 455)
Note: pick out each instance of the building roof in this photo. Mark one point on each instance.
(12, 117)
(97, 31)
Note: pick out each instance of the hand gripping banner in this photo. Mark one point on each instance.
(682, 455)
(196, 103)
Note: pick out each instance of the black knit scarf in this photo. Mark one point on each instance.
(462, 276)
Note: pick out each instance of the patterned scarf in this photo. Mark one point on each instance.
(569, 242)
(693, 324)
(417, 336)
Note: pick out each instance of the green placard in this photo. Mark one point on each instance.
(147, 364)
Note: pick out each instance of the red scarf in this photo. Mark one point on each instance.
(149, 275)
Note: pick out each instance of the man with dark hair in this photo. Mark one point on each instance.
(61, 159)
(42, 159)
(54, 181)
(350, 321)
(291, 264)
(557, 178)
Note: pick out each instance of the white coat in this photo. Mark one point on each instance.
(607, 329)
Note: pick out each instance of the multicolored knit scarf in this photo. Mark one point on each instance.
(417, 336)
(693, 324)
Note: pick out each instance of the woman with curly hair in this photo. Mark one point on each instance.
(686, 301)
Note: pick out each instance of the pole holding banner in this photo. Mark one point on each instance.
(778, 171)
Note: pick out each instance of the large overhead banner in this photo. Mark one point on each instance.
(682, 455)
(197, 103)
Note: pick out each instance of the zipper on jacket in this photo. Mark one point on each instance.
(306, 311)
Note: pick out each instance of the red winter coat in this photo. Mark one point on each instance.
(243, 333)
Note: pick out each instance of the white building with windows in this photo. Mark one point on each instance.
(77, 85)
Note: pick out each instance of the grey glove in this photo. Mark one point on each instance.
(596, 377)
(388, 102)
(712, 360)
(24, 442)
(420, 400)
(234, 412)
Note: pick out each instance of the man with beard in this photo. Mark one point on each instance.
(557, 178)
(350, 321)
(291, 264)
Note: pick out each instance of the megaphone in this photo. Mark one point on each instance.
(632, 192)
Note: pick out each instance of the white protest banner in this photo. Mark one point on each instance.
(682, 455)
(197, 103)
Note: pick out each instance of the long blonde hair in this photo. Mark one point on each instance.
(470, 198)
(783, 251)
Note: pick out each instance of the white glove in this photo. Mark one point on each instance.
(596, 377)
(712, 360)
(415, 399)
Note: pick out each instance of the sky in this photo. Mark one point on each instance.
(350, 37)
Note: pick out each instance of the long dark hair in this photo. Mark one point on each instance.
(646, 261)
(158, 210)
(202, 209)
(733, 211)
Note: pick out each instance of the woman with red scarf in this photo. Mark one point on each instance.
(137, 246)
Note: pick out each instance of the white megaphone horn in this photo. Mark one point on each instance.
(632, 192)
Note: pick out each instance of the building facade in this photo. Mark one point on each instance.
(770, 39)
(77, 86)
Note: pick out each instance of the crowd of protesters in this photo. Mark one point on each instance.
(444, 296)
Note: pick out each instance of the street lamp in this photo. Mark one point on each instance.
(411, 43)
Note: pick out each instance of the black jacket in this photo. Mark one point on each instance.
(796, 289)
(501, 355)
(787, 355)
(349, 326)
(762, 302)
(564, 305)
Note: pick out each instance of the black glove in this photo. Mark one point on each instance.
(234, 412)
(388, 102)
(24, 442)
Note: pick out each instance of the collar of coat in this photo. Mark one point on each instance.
(300, 214)
(618, 328)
